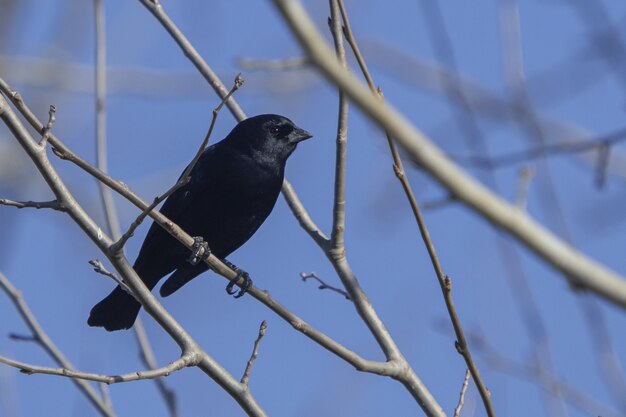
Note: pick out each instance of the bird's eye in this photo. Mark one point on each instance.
(274, 130)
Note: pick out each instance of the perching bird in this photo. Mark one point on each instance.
(232, 190)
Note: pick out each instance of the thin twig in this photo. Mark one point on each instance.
(42, 339)
(105, 192)
(53, 204)
(459, 406)
(273, 64)
(147, 357)
(30, 369)
(99, 267)
(339, 202)
(444, 282)
(255, 353)
(106, 197)
(46, 131)
(184, 178)
(323, 286)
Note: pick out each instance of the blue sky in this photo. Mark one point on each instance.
(158, 111)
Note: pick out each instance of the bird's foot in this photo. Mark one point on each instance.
(247, 281)
(199, 252)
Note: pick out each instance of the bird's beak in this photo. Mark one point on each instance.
(298, 135)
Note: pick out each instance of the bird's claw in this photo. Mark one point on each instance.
(244, 287)
(199, 251)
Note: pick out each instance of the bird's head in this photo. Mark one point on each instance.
(269, 138)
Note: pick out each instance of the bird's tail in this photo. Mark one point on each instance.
(115, 312)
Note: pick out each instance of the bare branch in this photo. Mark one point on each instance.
(457, 409)
(255, 353)
(53, 204)
(323, 285)
(29, 369)
(339, 205)
(46, 131)
(276, 64)
(147, 357)
(99, 267)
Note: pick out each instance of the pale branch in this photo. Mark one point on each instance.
(524, 179)
(39, 336)
(444, 282)
(147, 357)
(255, 353)
(546, 380)
(100, 76)
(322, 285)
(99, 268)
(53, 204)
(579, 269)
(459, 406)
(30, 369)
(46, 130)
(339, 202)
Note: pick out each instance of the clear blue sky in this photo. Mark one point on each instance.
(158, 111)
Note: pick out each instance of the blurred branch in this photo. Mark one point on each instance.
(582, 271)
(548, 150)
(543, 378)
(272, 64)
(40, 337)
(106, 196)
(147, 357)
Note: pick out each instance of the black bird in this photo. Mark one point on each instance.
(232, 190)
